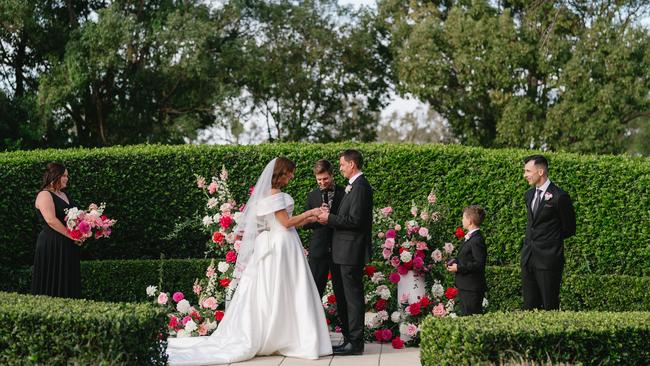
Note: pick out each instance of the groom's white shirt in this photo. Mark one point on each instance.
(355, 177)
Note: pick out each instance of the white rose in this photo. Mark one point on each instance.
(151, 290)
(437, 290)
(223, 267)
(396, 316)
(211, 325)
(406, 244)
(183, 306)
(216, 217)
(212, 202)
(378, 277)
(207, 221)
(403, 332)
(406, 256)
(190, 326)
(371, 320)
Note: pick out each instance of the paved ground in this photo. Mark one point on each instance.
(375, 354)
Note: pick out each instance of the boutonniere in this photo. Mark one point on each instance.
(348, 188)
(548, 196)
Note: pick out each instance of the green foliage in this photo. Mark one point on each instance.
(150, 188)
(589, 338)
(42, 330)
(525, 74)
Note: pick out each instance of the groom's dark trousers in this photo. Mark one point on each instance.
(351, 249)
(542, 255)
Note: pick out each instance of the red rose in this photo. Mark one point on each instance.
(218, 315)
(398, 343)
(460, 234)
(331, 299)
(231, 257)
(402, 269)
(414, 309)
(173, 322)
(218, 237)
(370, 270)
(329, 275)
(380, 305)
(451, 293)
(328, 321)
(424, 302)
(225, 221)
(196, 316)
(225, 282)
(379, 335)
(75, 234)
(386, 335)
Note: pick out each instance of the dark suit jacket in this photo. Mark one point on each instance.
(320, 244)
(471, 259)
(546, 229)
(351, 242)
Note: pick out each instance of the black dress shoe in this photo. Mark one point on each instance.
(349, 349)
(334, 348)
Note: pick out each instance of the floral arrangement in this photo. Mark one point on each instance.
(90, 223)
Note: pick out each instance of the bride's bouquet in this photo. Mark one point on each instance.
(84, 224)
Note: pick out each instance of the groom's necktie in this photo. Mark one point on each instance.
(536, 200)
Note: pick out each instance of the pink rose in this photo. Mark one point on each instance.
(212, 187)
(162, 298)
(424, 232)
(386, 211)
(386, 335)
(386, 253)
(84, 227)
(449, 247)
(394, 277)
(178, 296)
(398, 227)
(203, 329)
(411, 329)
(390, 234)
(418, 263)
(237, 245)
(389, 243)
(209, 303)
(421, 245)
(186, 319)
(439, 310)
(395, 261)
(436, 255)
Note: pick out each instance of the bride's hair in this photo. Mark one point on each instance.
(283, 166)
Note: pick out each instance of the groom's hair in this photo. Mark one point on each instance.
(353, 155)
(540, 161)
(323, 166)
(475, 213)
(283, 166)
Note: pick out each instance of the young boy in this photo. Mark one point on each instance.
(469, 265)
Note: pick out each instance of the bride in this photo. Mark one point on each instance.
(275, 308)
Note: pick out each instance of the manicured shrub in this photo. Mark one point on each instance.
(41, 330)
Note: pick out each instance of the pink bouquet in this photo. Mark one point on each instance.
(84, 224)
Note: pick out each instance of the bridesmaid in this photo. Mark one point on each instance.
(57, 258)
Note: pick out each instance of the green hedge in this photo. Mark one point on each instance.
(589, 338)
(40, 330)
(150, 188)
(126, 280)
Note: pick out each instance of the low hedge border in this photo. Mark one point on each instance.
(126, 280)
(52, 331)
(589, 338)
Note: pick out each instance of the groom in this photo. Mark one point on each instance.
(551, 219)
(351, 245)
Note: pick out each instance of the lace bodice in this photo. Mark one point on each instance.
(269, 205)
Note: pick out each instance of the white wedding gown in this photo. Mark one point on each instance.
(275, 308)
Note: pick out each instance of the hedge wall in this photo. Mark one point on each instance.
(126, 280)
(150, 188)
(39, 330)
(581, 338)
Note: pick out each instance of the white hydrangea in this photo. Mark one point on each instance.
(382, 315)
(223, 267)
(371, 320)
(450, 306)
(368, 298)
(190, 326)
(383, 291)
(485, 302)
(324, 300)
(377, 277)
(212, 202)
(437, 290)
(216, 217)
(183, 306)
(453, 315)
(406, 256)
(151, 290)
(396, 316)
(207, 220)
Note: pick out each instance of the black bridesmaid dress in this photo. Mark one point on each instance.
(57, 260)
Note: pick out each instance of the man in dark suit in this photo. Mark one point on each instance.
(327, 195)
(551, 219)
(469, 264)
(351, 247)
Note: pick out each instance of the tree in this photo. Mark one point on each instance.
(567, 75)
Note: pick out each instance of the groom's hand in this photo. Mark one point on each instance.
(323, 217)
